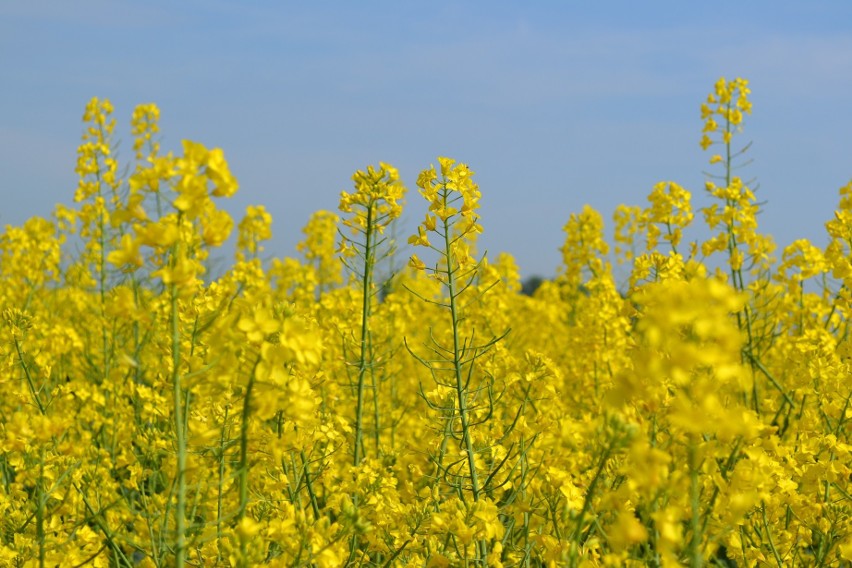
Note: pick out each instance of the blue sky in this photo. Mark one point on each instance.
(554, 104)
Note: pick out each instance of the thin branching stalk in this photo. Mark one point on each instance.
(696, 560)
(29, 377)
(180, 433)
(221, 484)
(458, 355)
(772, 547)
(40, 502)
(577, 534)
(243, 465)
(364, 363)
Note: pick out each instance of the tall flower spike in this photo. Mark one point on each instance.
(375, 203)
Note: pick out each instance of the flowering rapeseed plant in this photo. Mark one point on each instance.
(302, 412)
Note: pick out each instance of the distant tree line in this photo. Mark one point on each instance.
(531, 284)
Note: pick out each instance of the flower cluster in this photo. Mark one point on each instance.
(376, 200)
(453, 200)
(728, 104)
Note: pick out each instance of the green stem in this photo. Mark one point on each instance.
(461, 388)
(769, 536)
(40, 510)
(220, 495)
(102, 271)
(587, 503)
(376, 415)
(180, 435)
(309, 485)
(243, 466)
(363, 361)
(695, 558)
(29, 377)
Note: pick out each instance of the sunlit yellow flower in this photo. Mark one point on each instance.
(128, 255)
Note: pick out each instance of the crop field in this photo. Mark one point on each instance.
(386, 399)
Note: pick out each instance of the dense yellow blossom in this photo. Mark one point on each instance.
(689, 407)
